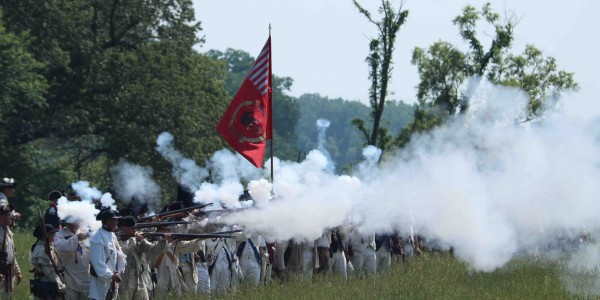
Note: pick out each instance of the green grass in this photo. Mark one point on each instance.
(438, 276)
(432, 276)
(23, 241)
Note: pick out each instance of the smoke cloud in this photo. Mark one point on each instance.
(483, 184)
(80, 212)
(322, 125)
(131, 180)
(85, 191)
(184, 169)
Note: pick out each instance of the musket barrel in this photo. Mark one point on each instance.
(221, 212)
(189, 236)
(160, 224)
(174, 212)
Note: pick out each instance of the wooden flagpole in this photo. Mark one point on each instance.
(271, 103)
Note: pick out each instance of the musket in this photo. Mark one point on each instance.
(130, 231)
(188, 236)
(111, 290)
(228, 231)
(174, 212)
(4, 270)
(157, 224)
(220, 212)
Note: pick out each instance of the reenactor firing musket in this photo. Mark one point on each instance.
(158, 224)
(187, 236)
(129, 231)
(174, 212)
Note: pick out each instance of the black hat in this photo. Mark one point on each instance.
(245, 196)
(107, 213)
(185, 195)
(39, 234)
(74, 197)
(6, 208)
(138, 205)
(126, 221)
(7, 183)
(54, 195)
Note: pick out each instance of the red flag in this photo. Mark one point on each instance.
(247, 123)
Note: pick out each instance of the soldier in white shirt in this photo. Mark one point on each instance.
(170, 279)
(364, 258)
(48, 283)
(75, 257)
(383, 245)
(12, 272)
(250, 247)
(224, 267)
(136, 282)
(107, 260)
(338, 263)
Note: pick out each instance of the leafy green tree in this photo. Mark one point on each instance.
(443, 69)
(22, 87)
(380, 69)
(535, 74)
(480, 58)
(119, 73)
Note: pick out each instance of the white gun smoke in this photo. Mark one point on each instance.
(488, 186)
(135, 181)
(184, 169)
(482, 184)
(80, 212)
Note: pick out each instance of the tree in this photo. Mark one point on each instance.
(443, 69)
(119, 73)
(380, 68)
(479, 59)
(22, 87)
(535, 74)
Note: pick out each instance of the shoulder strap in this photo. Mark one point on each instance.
(258, 258)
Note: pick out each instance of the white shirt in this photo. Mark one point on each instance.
(107, 258)
(75, 257)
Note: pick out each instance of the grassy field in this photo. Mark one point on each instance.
(432, 276)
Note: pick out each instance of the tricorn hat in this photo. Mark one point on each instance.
(39, 233)
(73, 196)
(107, 213)
(7, 183)
(54, 195)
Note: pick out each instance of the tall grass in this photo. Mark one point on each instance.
(431, 276)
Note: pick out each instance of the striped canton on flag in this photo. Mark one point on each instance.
(259, 74)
